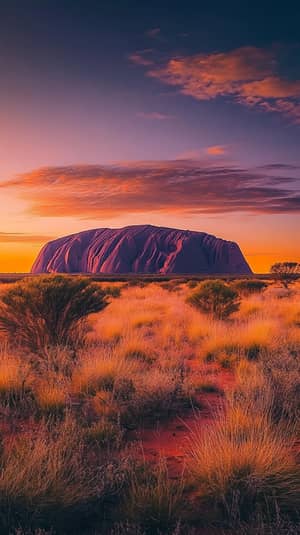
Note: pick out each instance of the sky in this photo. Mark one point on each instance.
(178, 114)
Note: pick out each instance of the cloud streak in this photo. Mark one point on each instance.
(216, 150)
(153, 32)
(20, 237)
(154, 115)
(139, 58)
(248, 75)
(179, 186)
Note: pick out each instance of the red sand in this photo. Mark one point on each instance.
(170, 439)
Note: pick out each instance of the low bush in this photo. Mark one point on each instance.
(249, 286)
(216, 298)
(112, 291)
(49, 310)
(192, 284)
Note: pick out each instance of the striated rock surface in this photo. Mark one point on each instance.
(141, 249)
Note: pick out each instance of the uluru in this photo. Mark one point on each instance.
(141, 249)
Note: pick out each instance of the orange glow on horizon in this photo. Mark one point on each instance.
(18, 258)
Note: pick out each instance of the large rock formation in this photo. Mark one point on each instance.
(141, 249)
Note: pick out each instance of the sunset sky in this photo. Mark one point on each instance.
(117, 112)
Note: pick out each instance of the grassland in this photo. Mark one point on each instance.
(160, 419)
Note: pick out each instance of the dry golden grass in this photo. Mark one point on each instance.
(144, 361)
(4, 286)
(165, 316)
(242, 335)
(101, 369)
(243, 463)
(103, 404)
(14, 374)
(10, 376)
(134, 346)
(198, 327)
(51, 397)
(42, 472)
(154, 501)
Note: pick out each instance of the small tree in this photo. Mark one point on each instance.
(286, 272)
(215, 297)
(49, 310)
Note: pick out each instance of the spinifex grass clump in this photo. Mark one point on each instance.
(216, 298)
(43, 472)
(154, 501)
(49, 310)
(243, 465)
(12, 380)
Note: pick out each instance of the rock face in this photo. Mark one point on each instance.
(141, 249)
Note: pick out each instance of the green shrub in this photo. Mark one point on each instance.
(215, 297)
(49, 310)
(112, 291)
(170, 286)
(136, 282)
(247, 287)
(192, 284)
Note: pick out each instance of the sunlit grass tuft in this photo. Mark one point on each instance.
(100, 371)
(243, 464)
(154, 501)
(51, 397)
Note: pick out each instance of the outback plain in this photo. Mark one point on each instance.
(149, 407)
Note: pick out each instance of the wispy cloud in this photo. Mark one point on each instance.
(139, 58)
(216, 150)
(20, 237)
(154, 115)
(181, 186)
(198, 154)
(153, 32)
(279, 167)
(249, 75)
(190, 154)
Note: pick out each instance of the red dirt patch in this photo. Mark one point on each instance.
(170, 439)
